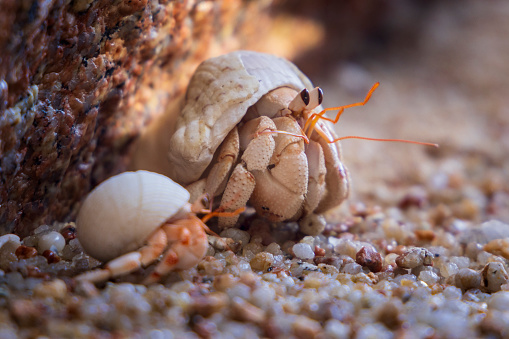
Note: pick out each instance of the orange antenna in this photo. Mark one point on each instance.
(311, 122)
(309, 126)
(377, 139)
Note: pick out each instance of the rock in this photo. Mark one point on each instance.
(79, 80)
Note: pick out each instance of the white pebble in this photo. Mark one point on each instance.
(9, 237)
(335, 329)
(429, 277)
(49, 240)
(303, 251)
(452, 292)
(352, 268)
(499, 301)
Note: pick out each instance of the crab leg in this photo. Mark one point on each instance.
(336, 179)
(228, 153)
(317, 172)
(258, 145)
(236, 194)
(188, 245)
(129, 262)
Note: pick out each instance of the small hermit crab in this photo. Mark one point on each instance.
(132, 218)
(248, 132)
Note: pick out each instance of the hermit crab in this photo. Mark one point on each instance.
(251, 130)
(134, 217)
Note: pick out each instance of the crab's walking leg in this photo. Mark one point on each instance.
(129, 262)
(188, 245)
(317, 172)
(237, 193)
(258, 146)
(336, 179)
(228, 153)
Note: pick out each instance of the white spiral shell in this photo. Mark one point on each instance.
(218, 96)
(121, 213)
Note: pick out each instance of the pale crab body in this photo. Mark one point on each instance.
(240, 136)
(131, 219)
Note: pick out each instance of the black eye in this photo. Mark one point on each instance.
(205, 201)
(304, 94)
(320, 96)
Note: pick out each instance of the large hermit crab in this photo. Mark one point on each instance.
(241, 135)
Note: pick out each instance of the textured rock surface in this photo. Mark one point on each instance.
(78, 80)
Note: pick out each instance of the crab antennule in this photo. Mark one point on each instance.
(303, 135)
(394, 140)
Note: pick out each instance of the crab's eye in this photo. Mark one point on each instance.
(304, 95)
(205, 200)
(315, 98)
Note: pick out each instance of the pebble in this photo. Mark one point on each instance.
(56, 289)
(303, 251)
(494, 276)
(415, 257)
(499, 301)
(237, 235)
(429, 277)
(369, 258)
(51, 241)
(498, 247)
(9, 238)
(262, 261)
(467, 278)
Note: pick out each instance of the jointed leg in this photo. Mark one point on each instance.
(131, 261)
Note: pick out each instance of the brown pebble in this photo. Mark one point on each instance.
(369, 258)
(498, 247)
(35, 272)
(51, 256)
(69, 233)
(25, 252)
(417, 199)
(319, 252)
(425, 235)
